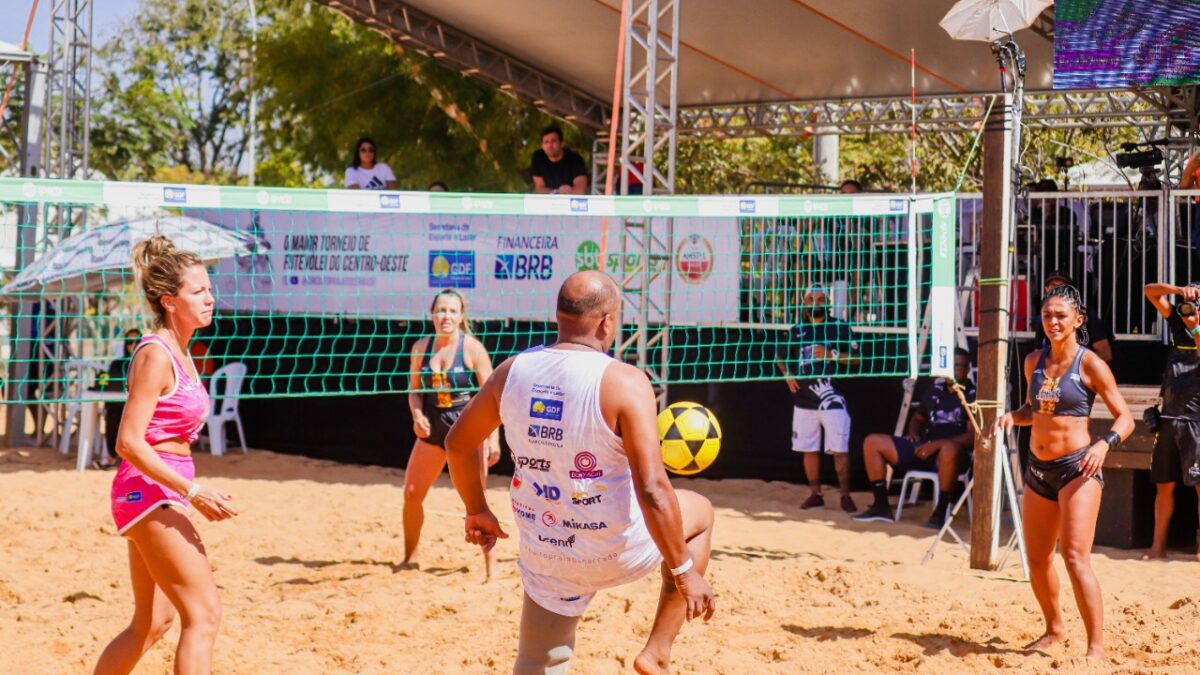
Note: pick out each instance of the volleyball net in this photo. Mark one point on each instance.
(325, 292)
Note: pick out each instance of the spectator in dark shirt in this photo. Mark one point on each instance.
(1177, 442)
(556, 168)
(820, 347)
(939, 438)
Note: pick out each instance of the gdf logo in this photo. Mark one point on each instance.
(520, 266)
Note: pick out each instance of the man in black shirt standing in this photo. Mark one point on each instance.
(556, 168)
(939, 439)
(820, 346)
(1175, 445)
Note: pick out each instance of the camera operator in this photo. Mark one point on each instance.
(1175, 446)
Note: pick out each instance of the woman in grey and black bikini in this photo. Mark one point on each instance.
(1063, 483)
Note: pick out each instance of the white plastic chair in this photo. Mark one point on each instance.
(231, 376)
(912, 486)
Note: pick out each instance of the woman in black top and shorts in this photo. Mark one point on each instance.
(1063, 483)
(441, 382)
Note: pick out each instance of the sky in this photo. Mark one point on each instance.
(105, 15)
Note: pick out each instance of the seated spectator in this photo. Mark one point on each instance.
(556, 168)
(850, 186)
(939, 439)
(364, 173)
(438, 186)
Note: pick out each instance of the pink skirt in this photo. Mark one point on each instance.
(135, 495)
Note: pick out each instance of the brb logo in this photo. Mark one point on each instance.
(585, 467)
(389, 201)
(175, 195)
(547, 432)
(522, 266)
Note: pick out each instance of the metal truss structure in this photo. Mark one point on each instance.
(65, 143)
(650, 95)
(1066, 109)
(457, 50)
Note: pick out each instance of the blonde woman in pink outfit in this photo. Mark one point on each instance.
(155, 487)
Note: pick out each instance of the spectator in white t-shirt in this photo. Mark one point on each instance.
(364, 173)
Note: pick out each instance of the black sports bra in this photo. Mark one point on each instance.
(1066, 395)
(448, 388)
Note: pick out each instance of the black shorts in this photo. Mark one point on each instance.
(1175, 452)
(907, 460)
(440, 421)
(1047, 479)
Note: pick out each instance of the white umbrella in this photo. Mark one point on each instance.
(103, 256)
(989, 20)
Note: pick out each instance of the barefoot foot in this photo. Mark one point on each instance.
(1045, 641)
(648, 663)
(1096, 655)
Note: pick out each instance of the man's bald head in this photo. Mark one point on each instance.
(588, 295)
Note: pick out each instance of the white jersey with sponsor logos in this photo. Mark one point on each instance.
(572, 492)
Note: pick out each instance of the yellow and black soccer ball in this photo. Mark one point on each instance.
(690, 437)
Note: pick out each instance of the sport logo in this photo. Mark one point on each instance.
(389, 201)
(546, 409)
(547, 432)
(579, 205)
(175, 195)
(585, 467)
(584, 500)
(535, 463)
(549, 492)
(549, 519)
(747, 206)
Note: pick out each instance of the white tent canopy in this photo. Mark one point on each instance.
(737, 52)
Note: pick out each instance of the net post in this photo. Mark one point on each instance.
(993, 327)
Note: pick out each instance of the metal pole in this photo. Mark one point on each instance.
(253, 131)
(22, 345)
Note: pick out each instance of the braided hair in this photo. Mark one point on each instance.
(1072, 296)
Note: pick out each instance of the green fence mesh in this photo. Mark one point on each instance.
(324, 293)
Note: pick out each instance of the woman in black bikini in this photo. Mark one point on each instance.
(443, 371)
(1063, 482)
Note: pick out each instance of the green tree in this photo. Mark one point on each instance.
(173, 92)
(328, 81)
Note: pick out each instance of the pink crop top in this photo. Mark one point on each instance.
(182, 412)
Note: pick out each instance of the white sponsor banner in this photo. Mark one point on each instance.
(508, 267)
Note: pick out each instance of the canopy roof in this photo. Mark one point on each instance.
(731, 52)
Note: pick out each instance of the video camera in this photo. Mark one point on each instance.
(1141, 155)
(1146, 157)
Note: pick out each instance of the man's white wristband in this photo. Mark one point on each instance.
(676, 571)
(192, 492)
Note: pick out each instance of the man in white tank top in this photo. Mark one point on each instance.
(590, 496)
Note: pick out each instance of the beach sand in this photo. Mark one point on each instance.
(310, 583)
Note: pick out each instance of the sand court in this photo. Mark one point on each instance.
(311, 583)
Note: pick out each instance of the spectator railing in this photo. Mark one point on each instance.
(1109, 242)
